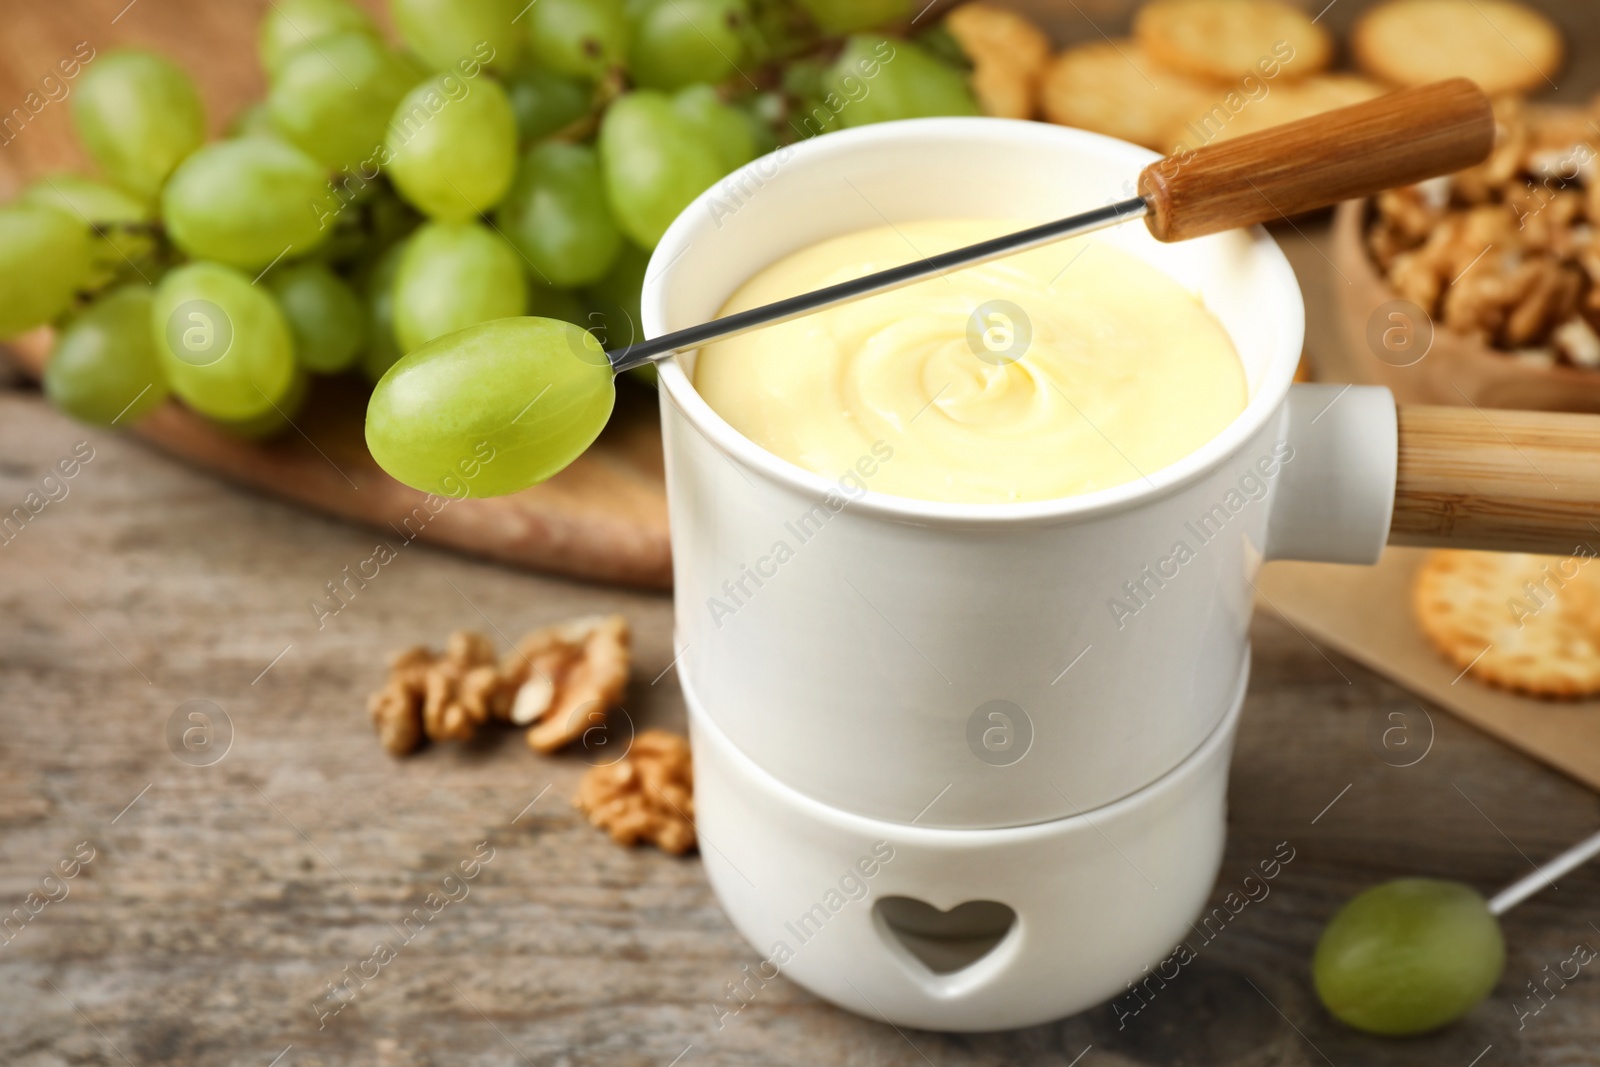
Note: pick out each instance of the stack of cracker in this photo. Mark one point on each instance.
(1197, 72)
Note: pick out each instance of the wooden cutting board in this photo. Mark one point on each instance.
(1365, 613)
(603, 518)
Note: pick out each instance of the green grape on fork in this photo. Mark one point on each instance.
(1414, 954)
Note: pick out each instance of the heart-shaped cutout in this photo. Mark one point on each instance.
(944, 941)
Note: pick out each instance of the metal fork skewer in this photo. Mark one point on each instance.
(635, 355)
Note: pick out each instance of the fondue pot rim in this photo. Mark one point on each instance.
(697, 222)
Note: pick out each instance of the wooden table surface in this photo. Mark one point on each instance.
(222, 900)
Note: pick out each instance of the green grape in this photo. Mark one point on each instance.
(616, 320)
(138, 115)
(326, 318)
(290, 24)
(123, 220)
(103, 368)
(583, 38)
(45, 258)
(453, 147)
(879, 80)
(684, 42)
(654, 162)
(222, 341)
(1408, 956)
(461, 35)
(453, 275)
(491, 409)
(382, 349)
(253, 121)
(727, 128)
(556, 215)
(849, 16)
(245, 203)
(545, 102)
(333, 99)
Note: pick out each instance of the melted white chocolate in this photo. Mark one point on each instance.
(1125, 371)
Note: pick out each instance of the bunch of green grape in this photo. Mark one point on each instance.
(504, 160)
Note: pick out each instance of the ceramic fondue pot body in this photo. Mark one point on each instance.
(961, 929)
(973, 666)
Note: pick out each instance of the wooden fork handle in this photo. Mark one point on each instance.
(1511, 481)
(1398, 139)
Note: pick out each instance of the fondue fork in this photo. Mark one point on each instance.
(1394, 140)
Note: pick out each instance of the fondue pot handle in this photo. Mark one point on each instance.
(1512, 481)
(1398, 139)
(1357, 472)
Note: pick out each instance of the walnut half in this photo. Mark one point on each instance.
(560, 682)
(439, 697)
(648, 795)
(567, 677)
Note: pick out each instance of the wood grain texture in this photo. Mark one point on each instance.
(224, 898)
(604, 518)
(1354, 151)
(1513, 481)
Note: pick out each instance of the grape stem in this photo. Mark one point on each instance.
(1545, 875)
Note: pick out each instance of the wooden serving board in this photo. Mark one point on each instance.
(603, 518)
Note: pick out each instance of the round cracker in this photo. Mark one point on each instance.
(1112, 87)
(1501, 45)
(1521, 622)
(1224, 39)
(1236, 114)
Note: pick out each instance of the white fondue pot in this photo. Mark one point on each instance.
(1030, 707)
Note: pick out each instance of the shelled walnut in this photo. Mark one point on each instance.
(648, 795)
(561, 681)
(1506, 251)
(439, 697)
(567, 677)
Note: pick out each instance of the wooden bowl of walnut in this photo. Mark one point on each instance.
(1483, 288)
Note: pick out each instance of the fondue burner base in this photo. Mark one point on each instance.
(964, 930)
